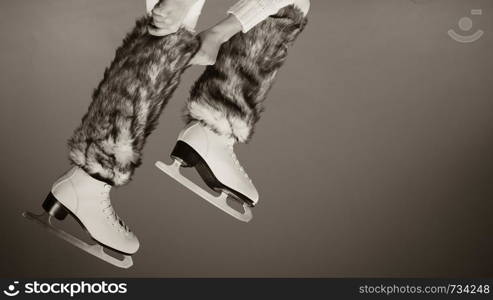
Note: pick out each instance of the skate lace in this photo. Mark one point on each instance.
(110, 213)
(236, 161)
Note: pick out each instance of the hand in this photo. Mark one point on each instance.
(163, 23)
(213, 38)
(168, 16)
(207, 54)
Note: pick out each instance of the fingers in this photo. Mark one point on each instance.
(158, 31)
(163, 23)
(202, 59)
(160, 20)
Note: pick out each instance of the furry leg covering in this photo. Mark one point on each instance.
(228, 96)
(128, 102)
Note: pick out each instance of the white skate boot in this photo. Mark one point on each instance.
(214, 159)
(87, 200)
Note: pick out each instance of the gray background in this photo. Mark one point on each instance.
(374, 156)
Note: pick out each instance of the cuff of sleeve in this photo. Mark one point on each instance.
(251, 12)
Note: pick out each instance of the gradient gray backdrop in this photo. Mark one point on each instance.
(374, 156)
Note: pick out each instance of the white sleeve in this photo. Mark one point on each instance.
(252, 12)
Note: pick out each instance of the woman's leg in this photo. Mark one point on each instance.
(228, 97)
(108, 144)
(128, 102)
(224, 106)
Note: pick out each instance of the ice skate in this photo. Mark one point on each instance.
(87, 201)
(214, 159)
(169, 15)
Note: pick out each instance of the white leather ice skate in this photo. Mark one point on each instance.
(88, 201)
(214, 159)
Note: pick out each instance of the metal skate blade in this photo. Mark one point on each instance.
(220, 202)
(97, 250)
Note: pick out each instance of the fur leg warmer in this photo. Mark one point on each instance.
(228, 96)
(128, 102)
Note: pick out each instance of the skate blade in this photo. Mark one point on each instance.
(220, 202)
(44, 220)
